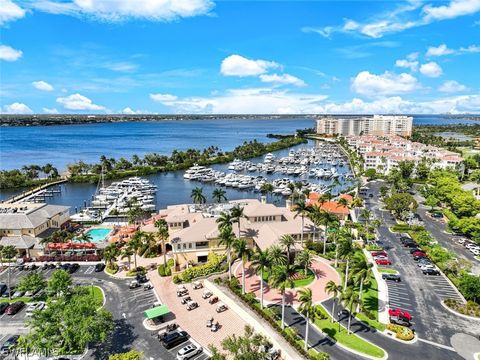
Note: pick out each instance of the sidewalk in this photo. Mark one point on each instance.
(382, 291)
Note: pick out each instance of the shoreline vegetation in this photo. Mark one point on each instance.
(152, 163)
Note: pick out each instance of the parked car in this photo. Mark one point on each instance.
(399, 321)
(197, 285)
(213, 300)
(141, 278)
(415, 250)
(189, 351)
(420, 257)
(427, 266)
(8, 345)
(185, 299)
(404, 239)
(221, 307)
(380, 257)
(191, 305)
(73, 268)
(66, 266)
(430, 271)
(33, 307)
(8, 292)
(3, 307)
(383, 262)
(475, 252)
(174, 338)
(423, 262)
(134, 284)
(3, 288)
(379, 253)
(31, 293)
(419, 253)
(393, 277)
(18, 293)
(436, 214)
(206, 294)
(181, 290)
(14, 308)
(411, 244)
(99, 267)
(400, 313)
(461, 241)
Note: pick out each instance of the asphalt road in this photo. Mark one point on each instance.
(127, 307)
(418, 293)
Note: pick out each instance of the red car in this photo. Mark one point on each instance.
(14, 308)
(419, 253)
(383, 262)
(400, 313)
(379, 253)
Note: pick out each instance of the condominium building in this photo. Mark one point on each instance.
(359, 125)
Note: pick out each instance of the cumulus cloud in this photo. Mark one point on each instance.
(431, 69)
(8, 53)
(236, 65)
(452, 10)
(384, 84)
(161, 98)
(452, 86)
(16, 108)
(79, 102)
(129, 111)
(439, 50)
(9, 11)
(283, 79)
(42, 85)
(405, 63)
(121, 10)
(50, 111)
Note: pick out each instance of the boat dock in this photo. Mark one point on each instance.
(39, 193)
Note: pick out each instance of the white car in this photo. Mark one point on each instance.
(475, 252)
(461, 241)
(189, 351)
(427, 266)
(34, 306)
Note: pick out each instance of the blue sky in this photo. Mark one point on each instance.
(201, 56)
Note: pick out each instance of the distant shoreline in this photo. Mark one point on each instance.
(80, 119)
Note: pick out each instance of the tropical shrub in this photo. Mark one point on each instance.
(402, 332)
(213, 265)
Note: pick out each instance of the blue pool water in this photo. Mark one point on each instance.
(98, 234)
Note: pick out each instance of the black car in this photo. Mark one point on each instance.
(429, 271)
(99, 267)
(437, 215)
(415, 250)
(174, 339)
(417, 258)
(73, 268)
(393, 277)
(7, 293)
(142, 278)
(3, 307)
(3, 288)
(65, 266)
(404, 239)
(411, 244)
(9, 344)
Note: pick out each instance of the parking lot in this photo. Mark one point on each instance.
(127, 306)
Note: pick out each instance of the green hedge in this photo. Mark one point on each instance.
(166, 271)
(213, 265)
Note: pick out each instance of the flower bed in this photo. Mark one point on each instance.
(470, 308)
(402, 332)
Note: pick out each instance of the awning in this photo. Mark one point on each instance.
(156, 312)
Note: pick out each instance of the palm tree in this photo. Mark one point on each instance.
(85, 238)
(243, 252)
(307, 309)
(287, 241)
(227, 239)
(261, 262)
(333, 289)
(305, 259)
(350, 300)
(362, 269)
(277, 255)
(197, 196)
(315, 215)
(280, 279)
(237, 214)
(366, 215)
(224, 220)
(343, 202)
(301, 209)
(345, 250)
(163, 235)
(219, 195)
(110, 254)
(266, 189)
(127, 253)
(327, 219)
(150, 241)
(135, 244)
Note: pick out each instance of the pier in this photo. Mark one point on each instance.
(38, 193)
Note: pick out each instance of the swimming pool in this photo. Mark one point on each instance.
(98, 234)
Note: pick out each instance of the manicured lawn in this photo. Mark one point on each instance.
(339, 333)
(299, 282)
(23, 298)
(370, 303)
(387, 271)
(97, 294)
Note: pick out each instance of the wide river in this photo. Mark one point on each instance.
(60, 145)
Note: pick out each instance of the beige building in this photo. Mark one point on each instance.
(356, 125)
(21, 224)
(194, 233)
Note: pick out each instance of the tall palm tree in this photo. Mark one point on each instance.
(333, 289)
(110, 254)
(280, 279)
(277, 255)
(227, 239)
(237, 214)
(307, 309)
(224, 220)
(127, 253)
(261, 262)
(301, 209)
(135, 243)
(361, 269)
(287, 241)
(266, 189)
(350, 300)
(197, 196)
(219, 195)
(85, 238)
(367, 216)
(150, 241)
(343, 202)
(243, 252)
(163, 235)
(315, 215)
(328, 219)
(305, 259)
(345, 251)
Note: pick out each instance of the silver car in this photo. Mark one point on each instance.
(188, 352)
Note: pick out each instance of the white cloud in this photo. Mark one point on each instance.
(8, 53)
(78, 102)
(121, 66)
(452, 86)
(413, 56)
(161, 98)
(284, 79)
(431, 69)
(16, 108)
(404, 63)
(236, 65)
(50, 111)
(452, 10)
(42, 85)
(129, 111)
(439, 51)
(384, 84)
(470, 49)
(9, 11)
(121, 10)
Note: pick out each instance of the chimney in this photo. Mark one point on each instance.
(263, 199)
